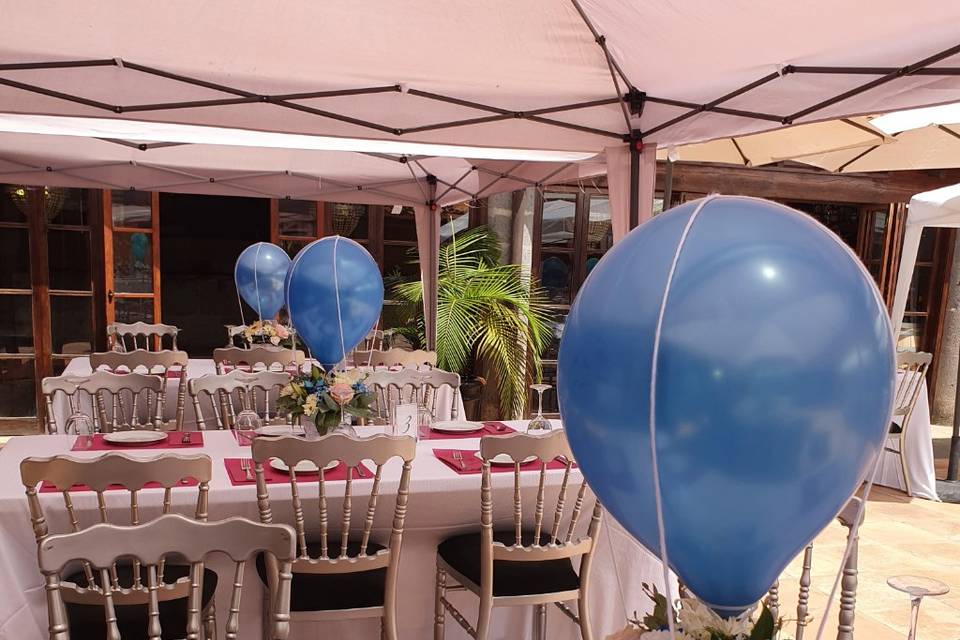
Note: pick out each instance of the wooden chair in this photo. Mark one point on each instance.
(237, 391)
(349, 578)
(101, 546)
(166, 364)
(520, 566)
(270, 358)
(373, 340)
(83, 590)
(848, 583)
(234, 331)
(911, 371)
(124, 401)
(391, 388)
(395, 358)
(140, 335)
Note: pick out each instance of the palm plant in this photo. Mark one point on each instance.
(486, 311)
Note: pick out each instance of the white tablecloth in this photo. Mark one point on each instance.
(442, 503)
(197, 367)
(919, 450)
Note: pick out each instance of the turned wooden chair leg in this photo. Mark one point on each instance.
(439, 613)
(210, 622)
(540, 622)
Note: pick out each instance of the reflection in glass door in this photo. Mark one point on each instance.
(132, 256)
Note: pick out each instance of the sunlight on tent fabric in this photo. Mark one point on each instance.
(139, 131)
(917, 118)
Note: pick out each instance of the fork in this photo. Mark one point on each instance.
(245, 467)
(458, 456)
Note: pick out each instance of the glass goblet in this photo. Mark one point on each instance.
(82, 425)
(538, 423)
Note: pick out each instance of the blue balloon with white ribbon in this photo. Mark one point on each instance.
(751, 346)
(260, 273)
(334, 297)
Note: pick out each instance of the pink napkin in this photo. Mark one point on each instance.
(47, 487)
(272, 476)
(173, 441)
(489, 429)
(291, 369)
(473, 465)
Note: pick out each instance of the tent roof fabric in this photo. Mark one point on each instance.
(330, 67)
(567, 75)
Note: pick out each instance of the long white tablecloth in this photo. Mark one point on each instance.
(919, 454)
(442, 503)
(197, 367)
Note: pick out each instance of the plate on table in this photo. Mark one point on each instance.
(304, 466)
(278, 430)
(457, 426)
(504, 459)
(135, 437)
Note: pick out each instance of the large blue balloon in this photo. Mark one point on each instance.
(773, 388)
(334, 296)
(259, 274)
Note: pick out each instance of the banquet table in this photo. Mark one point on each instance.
(442, 503)
(919, 449)
(197, 367)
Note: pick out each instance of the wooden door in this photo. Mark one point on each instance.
(131, 240)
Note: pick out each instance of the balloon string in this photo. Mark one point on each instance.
(658, 497)
(852, 539)
(336, 290)
(256, 282)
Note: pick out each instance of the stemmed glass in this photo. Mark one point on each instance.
(538, 422)
(917, 587)
(81, 424)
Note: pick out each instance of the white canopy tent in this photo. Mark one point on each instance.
(579, 77)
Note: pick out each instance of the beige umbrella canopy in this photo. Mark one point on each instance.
(936, 146)
(846, 137)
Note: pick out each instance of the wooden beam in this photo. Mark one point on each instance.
(274, 221)
(98, 266)
(155, 246)
(106, 213)
(40, 279)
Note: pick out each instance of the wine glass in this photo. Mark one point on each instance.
(917, 587)
(538, 422)
(81, 424)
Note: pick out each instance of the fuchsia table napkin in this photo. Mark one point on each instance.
(473, 465)
(173, 441)
(489, 429)
(239, 477)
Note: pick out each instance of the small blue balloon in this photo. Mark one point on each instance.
(773, 388)
(334, 297)
(259, 273)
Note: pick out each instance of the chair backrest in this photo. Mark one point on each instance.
(848, 583)
(349, 452)
(395, 358)
(373, 340)
(125, 400)
(122, 336)
(231, 393)
(911, 370)
(270, 358)
(101, 546)
(550, 543)
(164, 363)
(421, 386)
(66, 387)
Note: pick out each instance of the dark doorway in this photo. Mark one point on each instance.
(200, 239)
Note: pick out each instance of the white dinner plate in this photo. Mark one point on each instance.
(504, 460)
(457, 426)
(304, 466)
(135, 438)
(278, 430)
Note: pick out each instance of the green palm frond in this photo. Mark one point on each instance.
(485, 310)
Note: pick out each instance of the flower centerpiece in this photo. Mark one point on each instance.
(267, 332)
(694, 620)
(326, 397)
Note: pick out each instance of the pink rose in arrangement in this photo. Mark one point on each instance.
(341, 393)
(282, 332)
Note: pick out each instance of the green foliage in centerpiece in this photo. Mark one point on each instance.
(325, 396)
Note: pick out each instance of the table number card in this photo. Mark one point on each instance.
(405, 419)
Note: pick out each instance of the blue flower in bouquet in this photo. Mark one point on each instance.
(359, 387)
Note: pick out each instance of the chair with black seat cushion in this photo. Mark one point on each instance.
(127, 587)
(524, 565)
(353, 576)
(911, 370)
(103, 547)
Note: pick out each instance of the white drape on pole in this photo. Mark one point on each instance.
(428, 245)
(618, 185)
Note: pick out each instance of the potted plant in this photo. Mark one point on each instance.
(489, 315)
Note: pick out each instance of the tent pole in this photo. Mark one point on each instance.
(635, 146)
(430, 297)
(953, 465)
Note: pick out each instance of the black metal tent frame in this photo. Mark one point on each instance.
(630, 99)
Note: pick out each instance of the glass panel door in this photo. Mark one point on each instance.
(132, 256)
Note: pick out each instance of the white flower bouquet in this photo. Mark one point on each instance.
(267, 332)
